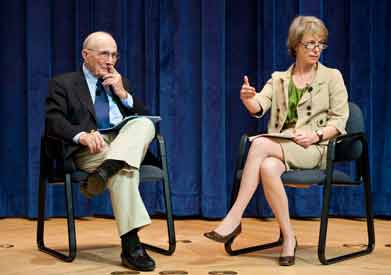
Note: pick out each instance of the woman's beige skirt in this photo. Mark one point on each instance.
(298, 157)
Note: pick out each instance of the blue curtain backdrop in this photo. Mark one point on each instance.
(186, 60)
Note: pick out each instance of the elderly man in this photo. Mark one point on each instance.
(81, 103)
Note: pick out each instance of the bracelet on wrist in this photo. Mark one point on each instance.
(319, 133)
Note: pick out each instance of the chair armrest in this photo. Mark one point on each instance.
(244, 141)
(162, 145)
(155, 159)
(347, 147)
(162, 150)
(353, 136)
(54, 147)
(55, 152)
(243, 146)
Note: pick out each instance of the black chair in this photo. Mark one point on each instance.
(345, 148)
(55, 169)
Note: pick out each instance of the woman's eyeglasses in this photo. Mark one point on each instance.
(312, 45)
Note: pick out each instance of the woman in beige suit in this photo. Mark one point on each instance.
(308, 102)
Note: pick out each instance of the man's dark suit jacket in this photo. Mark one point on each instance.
(70, 110)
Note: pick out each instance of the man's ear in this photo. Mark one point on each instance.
(84, 53)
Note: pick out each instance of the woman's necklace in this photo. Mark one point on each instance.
(305, 79)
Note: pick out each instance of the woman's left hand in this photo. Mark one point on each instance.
(305, 138)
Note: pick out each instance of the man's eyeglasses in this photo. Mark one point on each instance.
(312, 45)
(106, 54)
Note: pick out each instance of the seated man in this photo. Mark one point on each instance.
(80, 103)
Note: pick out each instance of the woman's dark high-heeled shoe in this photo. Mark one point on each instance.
(288, 260)
(213, 235)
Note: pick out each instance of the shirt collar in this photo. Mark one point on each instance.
(91, 79)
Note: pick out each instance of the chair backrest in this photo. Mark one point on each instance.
(355, 123)
(349, 150)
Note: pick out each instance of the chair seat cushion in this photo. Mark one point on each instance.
(79, 176)
(306, 177)
(313, 177)
(150, 173)
(147, 173)
(316, 176)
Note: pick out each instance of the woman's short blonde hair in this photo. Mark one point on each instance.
(305, 25)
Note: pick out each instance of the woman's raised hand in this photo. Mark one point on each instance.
(247, 92)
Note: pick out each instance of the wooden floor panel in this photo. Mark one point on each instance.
(99, 248)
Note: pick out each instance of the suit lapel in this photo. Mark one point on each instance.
(306, 96)
(84, 95)
(285, 83)
(284, 78)
(315, 86)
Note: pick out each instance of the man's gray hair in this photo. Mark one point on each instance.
(91, 36)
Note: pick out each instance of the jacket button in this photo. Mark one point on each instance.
(308, 113)
(308, 107)
(276, 125)
(278, 110)
(321, 122)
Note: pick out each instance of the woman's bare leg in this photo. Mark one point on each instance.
(271, 171)
(260, 149)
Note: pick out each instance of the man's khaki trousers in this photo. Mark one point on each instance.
(130, 146)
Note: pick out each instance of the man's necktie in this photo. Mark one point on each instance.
(102, 108)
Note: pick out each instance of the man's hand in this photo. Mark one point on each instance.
(305, 139)
(94, 141)
(247, 92)
(114, 79)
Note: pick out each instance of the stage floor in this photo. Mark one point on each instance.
(99, 248)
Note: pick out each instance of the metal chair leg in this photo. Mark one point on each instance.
(364, 168)
(41, 211)
(70, 219)
(170, 227)
(168, 204)
(324, 223)
(235, 190)
(232, 252)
